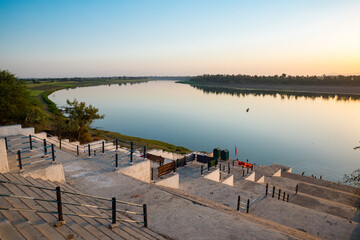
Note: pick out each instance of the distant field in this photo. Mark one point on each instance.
(40, 89)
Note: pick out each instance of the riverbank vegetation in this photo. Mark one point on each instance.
(26, 102)
(340, 80)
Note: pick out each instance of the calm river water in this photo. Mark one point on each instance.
(312, 135)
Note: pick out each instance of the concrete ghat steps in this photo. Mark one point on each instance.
(123, 232)
(40, 225)
(40, 221)
(127, 229)
(318, 192)
(290, 232)
(321, 183)
(84, 221)
(132, 228)
(298, 217)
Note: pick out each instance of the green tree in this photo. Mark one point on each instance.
(15, 106)
(80, 118)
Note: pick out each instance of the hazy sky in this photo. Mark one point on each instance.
(107, 38)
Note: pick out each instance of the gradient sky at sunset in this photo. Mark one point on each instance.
(112, 38)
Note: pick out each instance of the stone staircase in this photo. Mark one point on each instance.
(36, 225)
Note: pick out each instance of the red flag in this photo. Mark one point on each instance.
(235, 151)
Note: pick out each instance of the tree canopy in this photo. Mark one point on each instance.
(15, 106)
(353, 80)
(80, 117)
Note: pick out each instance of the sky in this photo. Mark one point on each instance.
(179, 38)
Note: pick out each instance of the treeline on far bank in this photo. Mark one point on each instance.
(340, 80)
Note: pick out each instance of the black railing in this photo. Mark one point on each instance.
(26, 155)
(243, 204)
(59, 206)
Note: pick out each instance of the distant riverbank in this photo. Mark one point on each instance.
(350, 91)
(327, 85)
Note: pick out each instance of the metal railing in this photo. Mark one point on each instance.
(59, 204)
(39, 152)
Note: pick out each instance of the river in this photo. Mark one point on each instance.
(312, 135)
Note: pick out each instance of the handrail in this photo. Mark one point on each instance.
(60, 203)
(27, 185)
(26, 197)
(101, 198)
(28, 210)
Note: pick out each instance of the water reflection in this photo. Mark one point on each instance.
(275, 94)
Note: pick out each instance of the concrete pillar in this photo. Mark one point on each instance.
(4, 165)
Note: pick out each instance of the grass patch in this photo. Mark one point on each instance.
(150, 144)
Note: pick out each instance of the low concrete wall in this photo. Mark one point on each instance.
(251, 177)
(53, 172)
(41, 135)
(4, 164)
(229, 180)
(15, 130)
(27, 131)
(164, 154)
(261, 180)
(172, 182)
(277, 174)
(214, 176)
(139, 171)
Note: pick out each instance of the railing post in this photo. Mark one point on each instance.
(131, 151)
(238, 204)
(273, 194)
(116, 160)
(202, 169)
(152, 174)
(229, 168)
(284, 196)
(60, 220)
(266, 189)
(6, 145)
(144, 152)
(233, 163)
(248, 206)
(247, 170)
(30, 141)
(53, 152)
(145, 216)
(20, 162)
(103, 146)
(89, 149)
(296, 189)
(287, 198)
(113, 217)
(116, 144)
(77, 150)
(60, 143)
(243, 173)
(279, 194)
(45, 149)
(208, 166)
(175, 166)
